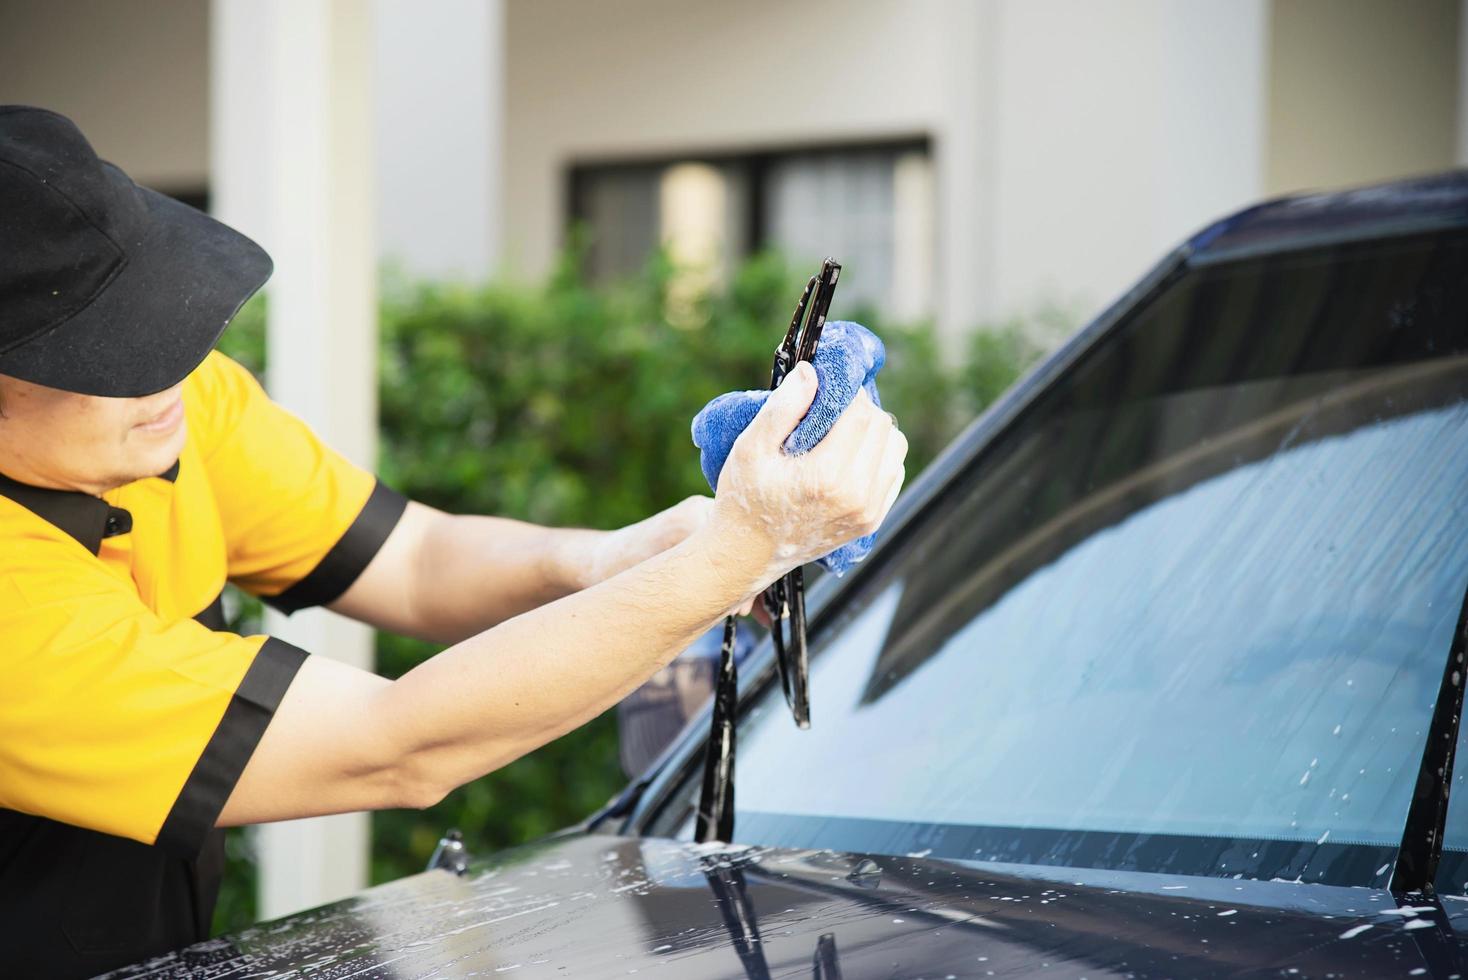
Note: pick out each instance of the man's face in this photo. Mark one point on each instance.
(58, 439)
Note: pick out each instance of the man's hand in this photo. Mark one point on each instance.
(788, 510)
(797, 508)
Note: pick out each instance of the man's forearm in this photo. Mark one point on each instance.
(444, 578)
(474, 572)
(498, 695)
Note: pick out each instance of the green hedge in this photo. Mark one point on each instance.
(570, 405)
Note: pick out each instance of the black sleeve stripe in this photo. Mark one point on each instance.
(212, 616)
(208, 787)
(339, 568)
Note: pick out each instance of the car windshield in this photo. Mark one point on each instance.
(1188, 613)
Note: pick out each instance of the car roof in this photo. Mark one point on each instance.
(1307, 220)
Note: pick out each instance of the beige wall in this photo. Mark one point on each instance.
(1121, 129)
(1361, 90)
(133, 75)
(1074, 142)
(590, 80)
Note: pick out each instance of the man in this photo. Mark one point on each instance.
(139, 472)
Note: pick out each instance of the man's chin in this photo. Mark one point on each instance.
(157, 460)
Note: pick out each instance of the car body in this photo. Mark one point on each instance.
(1155, 672)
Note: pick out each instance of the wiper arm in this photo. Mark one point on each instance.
(785, 600)
(716, 802)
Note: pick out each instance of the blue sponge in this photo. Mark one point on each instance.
(847, 361)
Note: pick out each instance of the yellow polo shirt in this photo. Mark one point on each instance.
(124, 707)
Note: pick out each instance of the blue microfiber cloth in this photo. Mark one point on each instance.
(847, 360)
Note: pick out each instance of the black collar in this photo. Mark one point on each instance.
(87, 518)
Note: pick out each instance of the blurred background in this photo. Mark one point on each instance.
(520, 242)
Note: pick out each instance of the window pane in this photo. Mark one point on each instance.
(620, 207)
(871, 207)
(837, 204)
(1190, 614)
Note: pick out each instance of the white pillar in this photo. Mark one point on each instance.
(440, 115)
(964, 157)
(292, 166)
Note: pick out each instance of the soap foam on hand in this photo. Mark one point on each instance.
(846, 362)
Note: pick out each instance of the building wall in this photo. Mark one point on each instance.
(652, 77)
(134, 76)
(1074, 142)
(1361, 90)
(1120, 130)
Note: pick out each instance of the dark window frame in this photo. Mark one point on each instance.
(755, 161)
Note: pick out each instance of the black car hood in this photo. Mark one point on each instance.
(594, 906)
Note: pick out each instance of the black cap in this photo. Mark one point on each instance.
(106, 288)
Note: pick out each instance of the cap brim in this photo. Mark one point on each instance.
(159, 317)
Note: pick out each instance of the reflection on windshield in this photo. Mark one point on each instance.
(1159, 678)
(1190, 612)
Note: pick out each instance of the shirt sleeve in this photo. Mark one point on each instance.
(300, 521)
(114, 720)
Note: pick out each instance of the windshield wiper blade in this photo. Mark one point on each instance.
(785, 601)
(716, 802)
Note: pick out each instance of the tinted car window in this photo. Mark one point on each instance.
(1189, 613)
